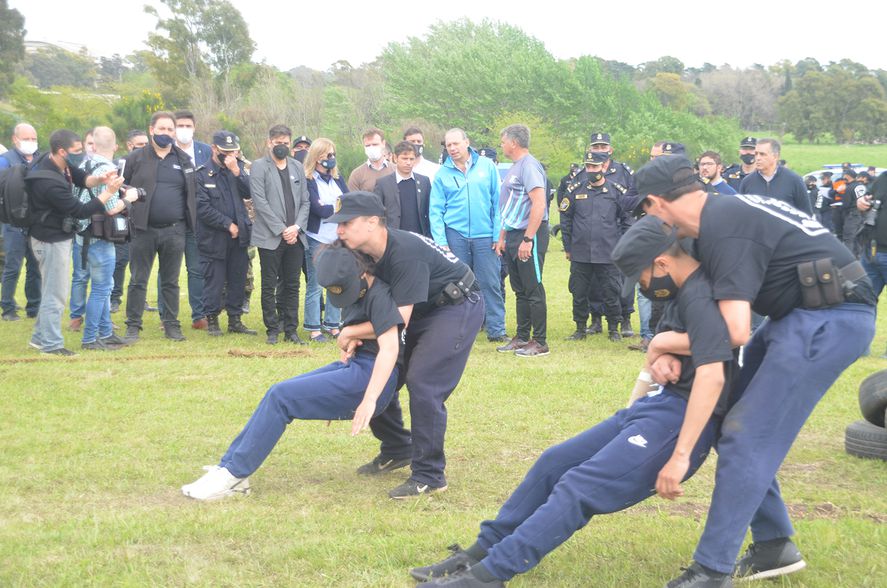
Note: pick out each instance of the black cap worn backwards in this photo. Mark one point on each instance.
(748, 142)
(226, 141)
(596, 157)
(644, 241)
(354, 204)
(339, 272)
(600, 139)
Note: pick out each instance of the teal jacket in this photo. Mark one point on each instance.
(467, 203)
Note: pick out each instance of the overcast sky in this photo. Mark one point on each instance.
(317, 34)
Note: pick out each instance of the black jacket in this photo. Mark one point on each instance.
(52, 200)
(785, 185)
(141, 171)
(593, 218)
(220, 198)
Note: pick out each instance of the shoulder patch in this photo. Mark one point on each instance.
(628, 169)
(564, 205)
(619, 187)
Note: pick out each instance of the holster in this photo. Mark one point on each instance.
(821, 284)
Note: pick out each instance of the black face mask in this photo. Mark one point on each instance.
(748, 158)
(163, 141)
(661, 288)
(281, 151)
(300, 155)
(595, 177)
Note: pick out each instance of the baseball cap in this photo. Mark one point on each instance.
(226, 141)
(600, 138)
(748, 142)
(354, 204)
(596, 157)
(338, 271)
(643, 242)
(301, 139)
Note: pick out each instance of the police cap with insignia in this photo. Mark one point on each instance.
(596, 157)
(302, 139)
(339, 272)
(600, 139)
(661, 176)
(644, 241)
(674, 149)
(354, 204)
(226, 141)
(748, 142)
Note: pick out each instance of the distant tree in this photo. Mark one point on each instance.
(748, 95)
(111, 69)
(12, 44)
(666, 64)
(679, 95)
(54, 66)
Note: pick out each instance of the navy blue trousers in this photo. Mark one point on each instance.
(608, 468)
(332, 392)
(226, 275)
(788, 365)
(437, 349)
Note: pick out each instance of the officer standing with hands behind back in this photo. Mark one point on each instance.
(223, 233)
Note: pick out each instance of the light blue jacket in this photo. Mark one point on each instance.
(467, 203)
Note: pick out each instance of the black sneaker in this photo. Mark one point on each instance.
(11, 316)
(458, 562)
(113, 339)
(382, 464)
(115, 306)
(699, 576)
(768, 559)
(173, 332)
(132, 335)
(411, 488)
(579, 335)
(293, 338)
(98, 345)
(61, 351)
(272, 339)
(466, 579)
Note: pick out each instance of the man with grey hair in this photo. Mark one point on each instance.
(772, 179)
(15, 240)
(523, 238)
(463, 212)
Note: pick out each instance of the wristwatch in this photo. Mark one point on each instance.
(527, 239)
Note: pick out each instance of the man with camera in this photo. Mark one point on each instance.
(53, 209)
(166, 175)
(874, 234)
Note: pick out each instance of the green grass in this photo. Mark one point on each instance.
(806, 158)
(93, 451)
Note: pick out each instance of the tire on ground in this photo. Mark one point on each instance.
(864, 439)
(873, 398)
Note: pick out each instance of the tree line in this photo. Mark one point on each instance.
(478, 76)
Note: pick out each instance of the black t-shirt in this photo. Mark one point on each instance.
(377, 307)
(750, 247)
(288, 198)
(170, 192)
(696, 313)
(409, 206)
(417, 270)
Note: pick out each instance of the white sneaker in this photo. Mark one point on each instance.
(216, 484)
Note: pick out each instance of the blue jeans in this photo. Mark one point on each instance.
(478, 254)
(332, 392)
(876, 268)
(194, 267)
(79, 280)
(15, 246)
(645, 309)
(102, 258)
(788, 365)
(608, 468)
(332, 315)
(54, 260)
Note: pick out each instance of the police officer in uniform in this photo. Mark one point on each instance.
(592, 221)
(852, 217)
(223, 233)
(735, 172)
(442, 310)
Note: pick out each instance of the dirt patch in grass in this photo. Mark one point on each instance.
(822, 510)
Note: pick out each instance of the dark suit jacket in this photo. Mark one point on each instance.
(386, 188)
(202, 153)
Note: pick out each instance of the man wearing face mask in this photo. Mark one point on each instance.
(280, 198)
(364, 176)
(15, 239)
(160, 223)
(423, 167)
(223, 233)
(735, 172)
(592, 221)
(301, 144)
(54, 208)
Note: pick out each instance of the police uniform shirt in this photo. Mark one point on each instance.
(854, 191)
(750, 247)
(592, 219)
(377, 307)
(168, 200)
(696, 313)
(733, 175)
(417, 270)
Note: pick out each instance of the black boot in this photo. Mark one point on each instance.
(236, 326)
(627, 331)
(212, 325)
(613, 330)
(596, 326)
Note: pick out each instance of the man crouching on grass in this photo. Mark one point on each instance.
(650, 447)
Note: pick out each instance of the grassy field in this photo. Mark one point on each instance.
(94, 450)
(805, 158)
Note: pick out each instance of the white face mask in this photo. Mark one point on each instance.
(184, 135)
(28, 147)
(373, 152)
